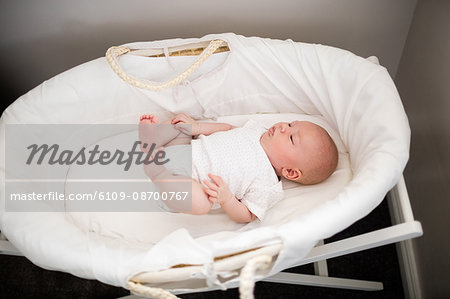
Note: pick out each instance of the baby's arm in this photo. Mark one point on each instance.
(200, 127)
(218, 192)
(209, 128)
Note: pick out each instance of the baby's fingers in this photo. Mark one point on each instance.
(213, 199)
(216, 179)
(176, 120)
(180, 118)
(210, 185)
(210, 192)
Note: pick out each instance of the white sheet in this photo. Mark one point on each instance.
(356, 97)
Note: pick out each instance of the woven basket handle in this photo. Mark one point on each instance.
(114, 52)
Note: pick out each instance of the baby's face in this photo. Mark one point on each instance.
(288, 145)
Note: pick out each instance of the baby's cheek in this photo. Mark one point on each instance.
(280, 149)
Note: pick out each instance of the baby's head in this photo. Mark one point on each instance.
(300, 151)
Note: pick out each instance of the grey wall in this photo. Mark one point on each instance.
(40, 39)
(423, 80)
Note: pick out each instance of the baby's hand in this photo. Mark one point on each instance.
(218, 191)
(183, 118)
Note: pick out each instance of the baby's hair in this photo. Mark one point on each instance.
(325, 161)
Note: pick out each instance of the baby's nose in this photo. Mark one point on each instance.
(284, 127)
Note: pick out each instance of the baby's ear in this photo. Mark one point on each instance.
(293, 174)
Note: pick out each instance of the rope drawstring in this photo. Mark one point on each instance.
(150, 292)
(247, 277)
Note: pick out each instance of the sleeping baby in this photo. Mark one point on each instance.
(238, 168)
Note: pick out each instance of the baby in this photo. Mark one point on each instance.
(243, 164)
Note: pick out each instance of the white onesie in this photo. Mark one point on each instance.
(238, 157)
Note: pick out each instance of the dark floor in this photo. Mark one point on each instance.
(19, 278)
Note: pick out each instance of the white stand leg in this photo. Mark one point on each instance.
(328, 282)
(321, 267)
(401, 211)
